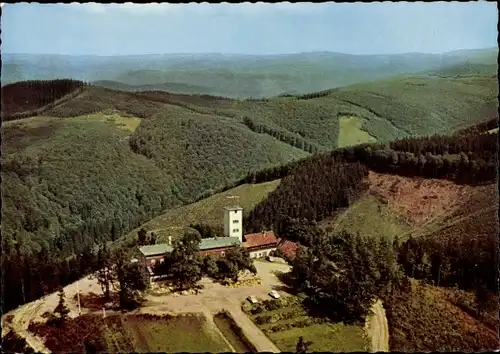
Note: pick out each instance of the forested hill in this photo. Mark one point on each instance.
(235, 76)
(98, 164)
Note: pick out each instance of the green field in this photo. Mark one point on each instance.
(285, 324)
(371, 217)
(350, 132)
(136, 333)
(325, 337)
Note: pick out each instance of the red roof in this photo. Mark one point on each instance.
(289, 248)
(266, 238)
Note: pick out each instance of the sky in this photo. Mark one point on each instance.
(246, 28)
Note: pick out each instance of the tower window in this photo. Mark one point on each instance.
(235, 221)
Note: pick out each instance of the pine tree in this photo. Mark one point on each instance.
(61, 311)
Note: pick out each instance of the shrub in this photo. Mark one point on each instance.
(260, 320)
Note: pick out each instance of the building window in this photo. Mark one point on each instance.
(222, 253)
(236, 230)
(235, 221)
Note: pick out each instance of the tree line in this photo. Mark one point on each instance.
(313, 190)
(23, 99)
(468, 159)
(292, 139)
(466, 261)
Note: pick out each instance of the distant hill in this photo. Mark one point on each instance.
(467, 70)
(234, 75)
(167, 86)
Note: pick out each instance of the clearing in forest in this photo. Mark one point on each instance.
(350, 132)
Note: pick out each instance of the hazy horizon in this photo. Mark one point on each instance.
(246, 54)
(259, 29)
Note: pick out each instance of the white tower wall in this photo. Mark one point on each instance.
(233, 222)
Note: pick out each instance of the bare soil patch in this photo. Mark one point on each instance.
(418, 200)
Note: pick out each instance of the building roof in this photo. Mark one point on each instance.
(266, 238)
(218, 242)
(205, 244)
(155, 250)
(233, 208)
(289, 248)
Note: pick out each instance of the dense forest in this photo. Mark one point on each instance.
(313, 190)
(292, 139)
(25, 99)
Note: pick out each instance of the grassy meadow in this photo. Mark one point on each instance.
(371, 217)
(350, 132)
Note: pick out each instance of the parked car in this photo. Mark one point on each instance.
(252, 299)
(274, 294)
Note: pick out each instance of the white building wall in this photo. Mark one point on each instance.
(261, 253)
(233, 223)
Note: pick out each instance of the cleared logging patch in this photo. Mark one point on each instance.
(350, 132)
(126, 123)
(233, 333)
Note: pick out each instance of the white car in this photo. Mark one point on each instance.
(253, 299)
(274, 294)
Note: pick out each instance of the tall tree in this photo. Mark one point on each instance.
(186, 263)
(132, 279)
(104, 274)
(61, 311)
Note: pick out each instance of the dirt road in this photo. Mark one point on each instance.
(378, 329)
(213, 298)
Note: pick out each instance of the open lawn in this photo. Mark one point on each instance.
(285, 320)
(135, 333)
(350, 132)
(325, 337)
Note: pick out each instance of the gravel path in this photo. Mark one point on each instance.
(378, 329)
